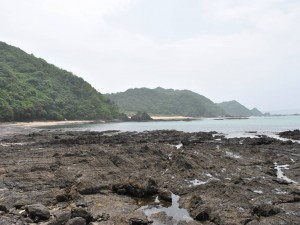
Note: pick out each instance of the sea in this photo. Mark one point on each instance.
(250, 127)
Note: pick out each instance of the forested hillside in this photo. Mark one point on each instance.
(234, 108)
(161, 101)
(32, 89)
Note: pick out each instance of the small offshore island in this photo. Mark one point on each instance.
(55, 177)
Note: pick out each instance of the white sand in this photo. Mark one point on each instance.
(170, 117)
(50, 123)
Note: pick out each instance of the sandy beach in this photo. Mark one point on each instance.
(27, 127)
(50, 123)
(171, 117)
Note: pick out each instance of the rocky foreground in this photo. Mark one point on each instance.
(110, 178)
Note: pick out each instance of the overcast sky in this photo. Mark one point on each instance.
(223, 49)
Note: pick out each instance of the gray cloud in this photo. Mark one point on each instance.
(237, 49)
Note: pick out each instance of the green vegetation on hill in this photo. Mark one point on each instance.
(234, 108)
(256, 112)
(161, 101)
(32, 89)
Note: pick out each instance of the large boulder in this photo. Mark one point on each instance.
(81, 212)
(136, 186)
(295, 134)
(3, 208)
(37, 212)
(165, 195)
(60, 218)
(265, 210)
(124, 117)
(76, 221)
(89, 187)
(141, 116)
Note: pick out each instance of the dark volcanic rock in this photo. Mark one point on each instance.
(219, 181)
(62, 197)
(199, 211)
(201, 214)
(165, 195)
(263, 140)
(137, 221)
(123, 117)
(81, 212)
(61, 218)
(20, 203)
(89, 187)
(76, 221)
(295, 134)
(265, 210)
(3, 208)
(10, 219)
(38, 212)
(136, 187)
(141, 116)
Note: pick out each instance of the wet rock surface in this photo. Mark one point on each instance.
(56, 177)
(295, 134)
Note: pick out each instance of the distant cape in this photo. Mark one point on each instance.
(160, 101)
(234, 108)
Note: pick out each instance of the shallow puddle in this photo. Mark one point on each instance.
(280, 173)
(153, 206)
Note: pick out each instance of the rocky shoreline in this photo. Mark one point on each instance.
(58, 177)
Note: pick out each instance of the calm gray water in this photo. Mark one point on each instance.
(231, 128)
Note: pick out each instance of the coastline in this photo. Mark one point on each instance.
(170, 118)
(14, 128)
(50, 123)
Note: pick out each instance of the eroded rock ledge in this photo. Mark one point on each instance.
(99, 177)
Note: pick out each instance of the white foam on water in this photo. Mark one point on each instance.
(276, 136)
